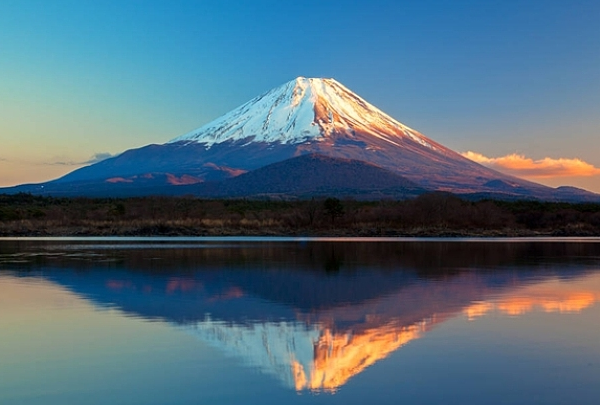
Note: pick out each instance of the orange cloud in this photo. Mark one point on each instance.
(522, 166)
(550, 298)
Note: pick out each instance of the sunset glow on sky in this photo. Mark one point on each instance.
(515, 85)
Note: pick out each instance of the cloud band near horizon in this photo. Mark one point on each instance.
(522, 166)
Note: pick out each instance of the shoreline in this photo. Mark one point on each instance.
(166, 231)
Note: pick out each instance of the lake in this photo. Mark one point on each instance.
(299, 321)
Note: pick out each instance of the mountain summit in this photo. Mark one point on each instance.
(306, 116)
(303, 110)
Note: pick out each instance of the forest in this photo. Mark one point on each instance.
(433, 214)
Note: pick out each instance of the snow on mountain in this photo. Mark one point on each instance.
(304, 109)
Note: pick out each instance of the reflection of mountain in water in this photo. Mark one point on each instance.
(307, 356)
(280, 308)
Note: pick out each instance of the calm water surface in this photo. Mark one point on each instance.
(244, 321)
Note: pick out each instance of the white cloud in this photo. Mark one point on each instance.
(97, 157)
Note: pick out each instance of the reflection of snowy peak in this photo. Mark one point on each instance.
(306, 357)
(271, 347)
(303, 110)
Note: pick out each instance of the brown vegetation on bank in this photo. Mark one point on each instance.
(428, 215)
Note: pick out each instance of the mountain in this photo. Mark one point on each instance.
(303, 116)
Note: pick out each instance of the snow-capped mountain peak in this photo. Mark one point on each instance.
(303, 110)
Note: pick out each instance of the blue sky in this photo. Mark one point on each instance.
(80, 78)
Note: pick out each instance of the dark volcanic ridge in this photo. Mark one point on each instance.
(314, 175)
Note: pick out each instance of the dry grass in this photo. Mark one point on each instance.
(428, 215)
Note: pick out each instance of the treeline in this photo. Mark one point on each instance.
(435, 214)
